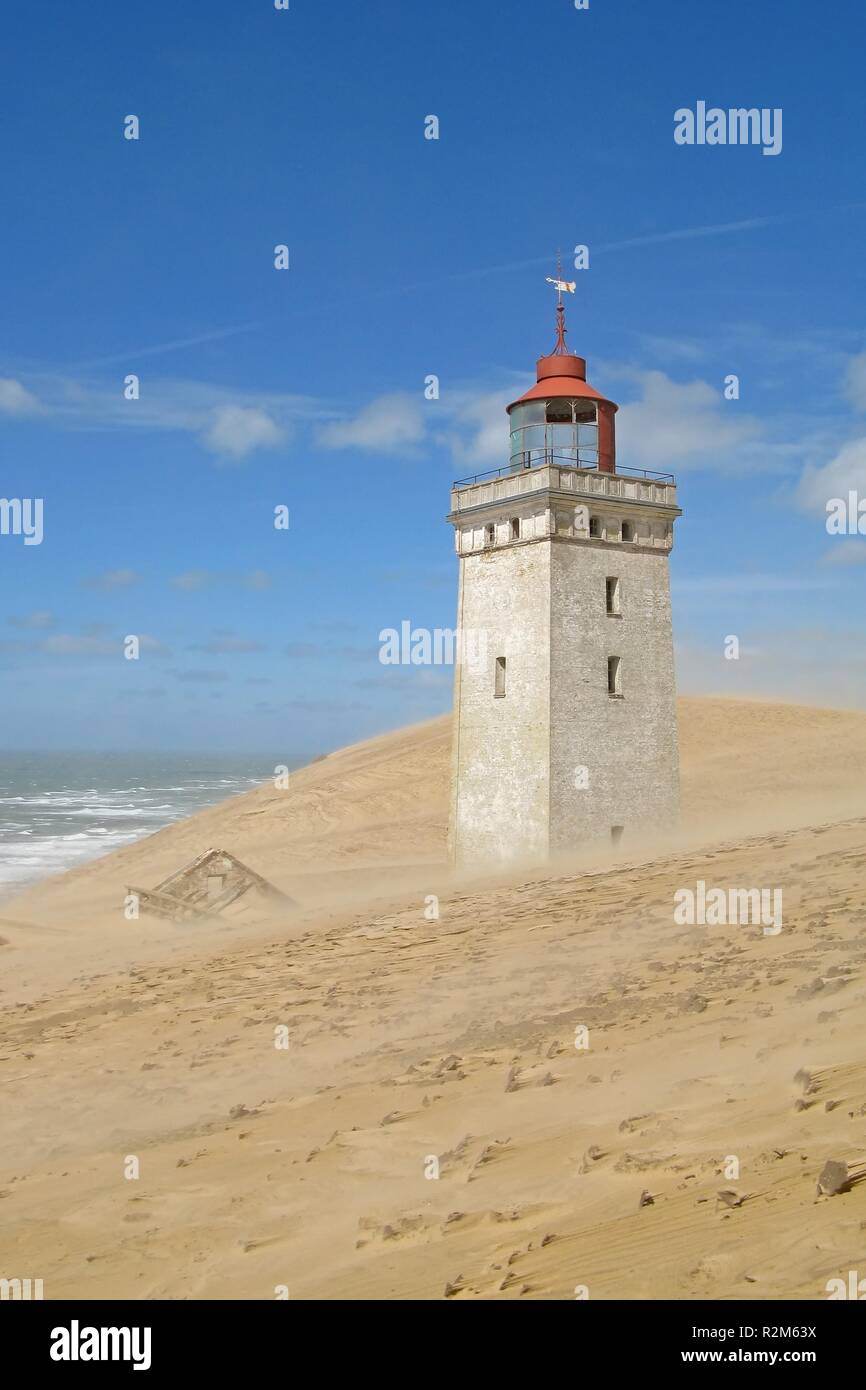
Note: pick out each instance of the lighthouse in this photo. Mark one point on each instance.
(565, 732)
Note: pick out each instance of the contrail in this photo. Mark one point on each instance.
(134, 354)
(686, 233)
(651, 239)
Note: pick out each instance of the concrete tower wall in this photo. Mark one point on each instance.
(501, 749)
(613, 759)
(558, 760)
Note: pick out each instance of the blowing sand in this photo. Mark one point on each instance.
(420, 1044)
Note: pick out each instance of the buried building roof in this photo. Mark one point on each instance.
(205, 887)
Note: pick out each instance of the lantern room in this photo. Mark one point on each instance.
(562, 419)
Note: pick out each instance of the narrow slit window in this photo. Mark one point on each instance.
(490, 535)
(616, 834)
(612, 596)
(614, 676)
(499, 679)
(515, 528)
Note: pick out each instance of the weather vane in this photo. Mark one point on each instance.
(570, 287)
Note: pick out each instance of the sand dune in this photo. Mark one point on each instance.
(746, 765)
(420, 1045)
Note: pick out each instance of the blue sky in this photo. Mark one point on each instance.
(407, 257)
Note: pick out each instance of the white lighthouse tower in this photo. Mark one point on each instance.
(565, 726)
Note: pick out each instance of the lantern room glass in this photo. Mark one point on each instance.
(560, 430)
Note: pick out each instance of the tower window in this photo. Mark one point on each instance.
(612, 597)
(490, 535)
(560, 412)
(499, 679)
(616, 834)
(614, 677)
(627, 531)
(515, 528)
(595, 528)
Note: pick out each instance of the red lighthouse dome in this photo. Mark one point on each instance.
(562, 418)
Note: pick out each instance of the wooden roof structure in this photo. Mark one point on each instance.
(205, 887)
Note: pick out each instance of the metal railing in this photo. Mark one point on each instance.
(551, 456)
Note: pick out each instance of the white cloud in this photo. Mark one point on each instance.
(238, 429)
(201, 676)
(15, 399)
(65, 644)
(485, 429)
(387, 423)
(680, 424)
(471, 423)
(194, 580)
(257, 580)
(113, 579)
(228, 645)
(844, 472)
(848, 550)
(40, 617)
(854, 384)
(227, 422)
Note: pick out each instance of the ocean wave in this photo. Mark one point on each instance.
(48, 824)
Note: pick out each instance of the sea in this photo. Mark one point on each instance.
(62, 809)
